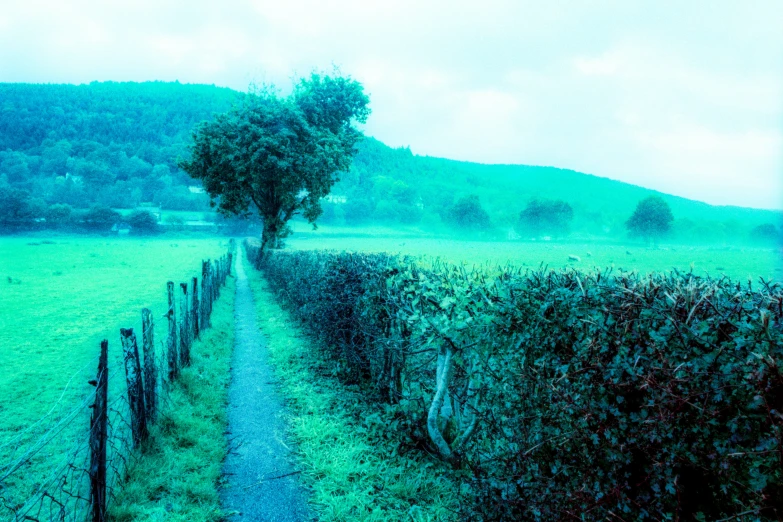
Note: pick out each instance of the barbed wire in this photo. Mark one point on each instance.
(62, 491)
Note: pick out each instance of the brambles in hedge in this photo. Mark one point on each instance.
(562, 393)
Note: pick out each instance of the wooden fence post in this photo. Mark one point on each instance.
(135, 386)
(150, 366)
(204, 295)
(173, 356)
(184, 328)
(194, 309)
(99, 423)
(216, 282)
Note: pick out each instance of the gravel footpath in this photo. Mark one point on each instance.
(261, 482)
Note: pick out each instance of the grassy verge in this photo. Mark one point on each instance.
(350, 460)
(178, 476)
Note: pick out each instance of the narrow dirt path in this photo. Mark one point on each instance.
(262, 485)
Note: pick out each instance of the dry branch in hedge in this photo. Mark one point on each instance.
(562, 394)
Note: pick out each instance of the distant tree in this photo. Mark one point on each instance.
(544, 216)
(280, 156)
(766, 232)
(15, 166)
(17, 209)
(100, 218)
(175, 222)
(651, 219)
(93, 174)
(468, 214)
(55, 157)
(59, 215)
(142, 222)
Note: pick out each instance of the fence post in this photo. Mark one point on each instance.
(98, 435)
(215, 271)
(135, 386)
(150, 367)
(216, 281)
(194, 309)
(184, 328)
(204, 295)
(172, 354)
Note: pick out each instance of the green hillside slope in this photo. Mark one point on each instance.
(117, 144)
(410, 187)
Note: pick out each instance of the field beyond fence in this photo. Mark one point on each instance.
(84, 472)
(561, 394)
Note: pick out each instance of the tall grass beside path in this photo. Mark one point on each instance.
(354, 464)
(178, 477)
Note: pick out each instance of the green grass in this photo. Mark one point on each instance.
(64, 296)
(738, 262)
(178, 477)
(350, 459)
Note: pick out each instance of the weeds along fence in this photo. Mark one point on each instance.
(561, 394)
(85, 466)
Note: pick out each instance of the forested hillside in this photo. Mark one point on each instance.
(397, 186)
(66, 147)
(112, 144)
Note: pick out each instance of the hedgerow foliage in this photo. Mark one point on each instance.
(562, 394)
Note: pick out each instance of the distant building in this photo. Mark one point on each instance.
(75, 179)
(194, 189)
(122, 229)
(334, 198)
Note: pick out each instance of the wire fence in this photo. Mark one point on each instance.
(86, 448)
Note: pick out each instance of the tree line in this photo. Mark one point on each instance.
(121, 146)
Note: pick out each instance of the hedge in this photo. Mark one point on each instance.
(561, 394)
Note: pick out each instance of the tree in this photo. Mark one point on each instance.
(278, 156)
(100, 218)
(142, 222)
(651, 219)
(59, 215)
(468, 214)
(15, 166)
(546, 216)
(18, 209)
(766, 232)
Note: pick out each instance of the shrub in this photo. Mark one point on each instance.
(59, 215)
(100, 218)
(562, 394)
(143, 222)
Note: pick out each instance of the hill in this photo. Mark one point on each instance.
(400, 186)
(117, 144)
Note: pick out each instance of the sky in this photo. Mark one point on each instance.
(681, 97)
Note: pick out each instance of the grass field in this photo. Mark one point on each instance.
(58, 299)
(738, 262)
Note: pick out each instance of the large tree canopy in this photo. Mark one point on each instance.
(278, 156)
(651, 219)
(544, 216)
